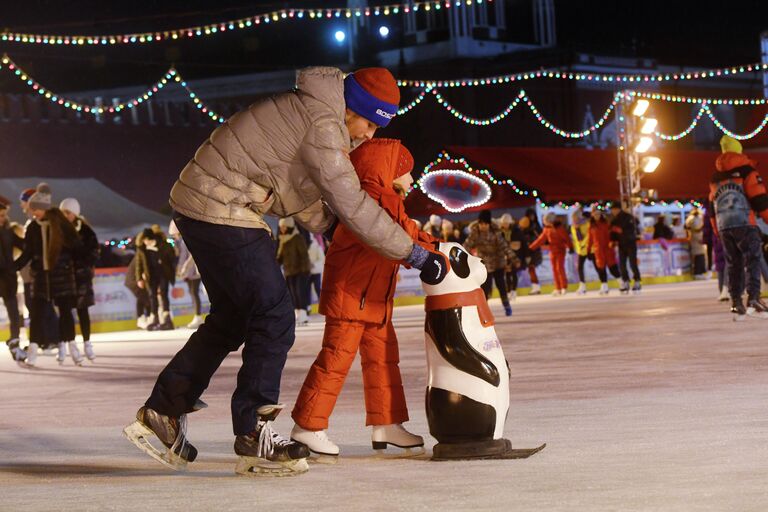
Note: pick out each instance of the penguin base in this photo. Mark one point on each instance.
(494, 449)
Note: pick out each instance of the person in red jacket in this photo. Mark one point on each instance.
(600, 246)
(737, 193)
(559, 241)
(357, 300)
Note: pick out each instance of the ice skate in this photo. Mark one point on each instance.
(724, 297)
(624, 287)
(535, 289)
(31, 354)
(75, 353)
(604, 289)
(512, 296)
(88, 349)
(167, 322)
(395, 435)
(264, 452)
(636, 288)
(582, 289)
(48, 351)
(738, 310)
(17, 353)
(196, 322)
(556, 292)
(301, 317)
(171, 432)
(322, 449)
(62, 354)
(142, 322)
(757, 308)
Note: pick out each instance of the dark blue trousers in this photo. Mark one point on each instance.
(743, 249)
(250, 306)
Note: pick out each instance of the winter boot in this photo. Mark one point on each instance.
(396, 435)
(170, 431)
(17, 353)
(88, 349)
(264, 452)
(738, 309)
(167, 323)
(152, 323)
(196, 322)
(301, 317)
(75, 353)
(604, 289)
(142, 322)
(535, 289)
(757, 308)
(318, 443)
(62, 354)
(31, 354)
(582, 289)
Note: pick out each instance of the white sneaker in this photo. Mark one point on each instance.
(75, 353)
(32, 354)
(196, 322)
(395, 435)
(88, 349)
(142, 322)
(535, 289)
(62, 354)
(582, 289)
(604, 289)
(316, 440)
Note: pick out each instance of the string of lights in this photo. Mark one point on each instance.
(694, 99)
(211, 29)
(562, 205)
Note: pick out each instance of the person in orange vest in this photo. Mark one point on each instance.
(559, 242)
(357, 301)
(736, 194)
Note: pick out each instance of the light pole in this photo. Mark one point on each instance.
(635, 141)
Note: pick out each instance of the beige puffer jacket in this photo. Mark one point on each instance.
(287, 155)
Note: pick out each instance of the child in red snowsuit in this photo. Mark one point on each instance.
(357, 300)
(600, 246)
(559, 241)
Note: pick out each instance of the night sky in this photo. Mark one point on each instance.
(703, 33)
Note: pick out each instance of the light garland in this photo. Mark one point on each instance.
(687, 131)
(235, 24)
(445, 157)
(476, 121)
(562, 205)
(588, 77)
(418, 99)
(453, 177)
(722, 128)
(566, 134)
(693, 99)
(171, 74)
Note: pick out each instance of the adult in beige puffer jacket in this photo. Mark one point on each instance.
(287, 156)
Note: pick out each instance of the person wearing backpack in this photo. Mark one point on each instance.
(737, 194)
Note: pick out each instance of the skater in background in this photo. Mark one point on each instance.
(293, 255)
(737, 194)
(600, 246)
(317, 249)
(8, 280)
(512, 234)
(434, 226)
(661, 230)
(486, 241)
(357, 300)
(624, 234)
(556, 237)
(186, 271)
(85, 269)
(447, 232)
(581, 245)
(694, 227)
(143, 304)
(529, 225)
(51, 245)
(155, 272)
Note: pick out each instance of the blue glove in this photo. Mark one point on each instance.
(433, 265)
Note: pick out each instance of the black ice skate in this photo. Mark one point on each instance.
(264, 452)
(738, 310)
(169, 430)
(17, 353)
(757, 308)
(624, 287)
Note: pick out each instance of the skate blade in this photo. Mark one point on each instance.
(256, 466)
(322, 458)
(140, 435)
(399, 452)
(739, 318)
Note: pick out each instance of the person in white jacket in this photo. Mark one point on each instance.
(317, 250)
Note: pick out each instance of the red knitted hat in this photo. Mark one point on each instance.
(380, 83)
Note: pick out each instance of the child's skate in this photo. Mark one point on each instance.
(169, 430)
(396, 435)
(322, 449)
(264, 452)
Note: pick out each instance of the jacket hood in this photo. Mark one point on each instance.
(730, 160)
(380, 161)
(325, 84)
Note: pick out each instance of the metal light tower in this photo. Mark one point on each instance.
(635, 139)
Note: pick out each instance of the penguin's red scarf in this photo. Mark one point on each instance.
(457, 300)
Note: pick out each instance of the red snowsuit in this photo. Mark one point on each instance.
(600, 243)
(559, 241)
(356, 298)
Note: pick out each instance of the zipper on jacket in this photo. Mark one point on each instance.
(365, 291)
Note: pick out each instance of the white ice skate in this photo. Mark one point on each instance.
(142, 322)
(264, 452)
(196, 322)
(396, 435)
(757, 309)
(724, 295)
(31, 354)
(323, 449)
(512, 296)
(556, 292)
(604, 289)
(535, 289)
(75, 353)
(62, 354)
(88, 349)
(301, 317)
(582, 289)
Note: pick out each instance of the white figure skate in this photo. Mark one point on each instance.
(322, 449)
(75, 353)
(31, 354)
(196, 322)
(383, 436)
(88, 349)
(62, 353)
(604, 289)
(582, 289)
